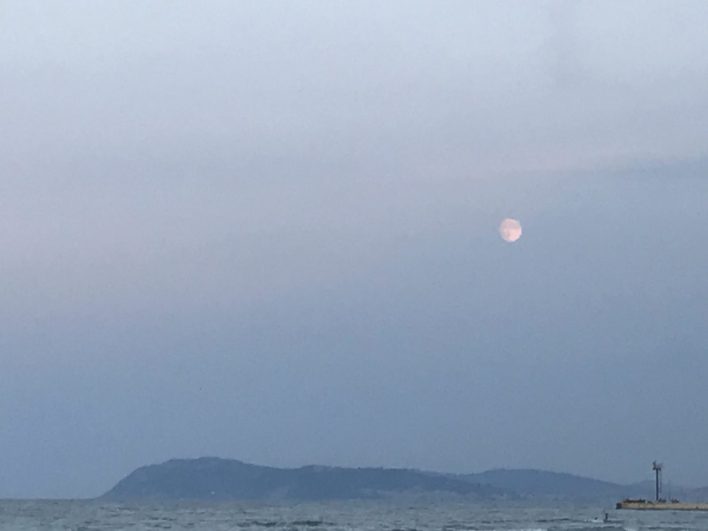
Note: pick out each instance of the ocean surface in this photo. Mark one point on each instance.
(374, 516)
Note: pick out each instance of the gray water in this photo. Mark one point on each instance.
(374, 516)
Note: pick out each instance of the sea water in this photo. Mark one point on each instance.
(373, 516)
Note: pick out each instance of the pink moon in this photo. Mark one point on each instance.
(510, 230)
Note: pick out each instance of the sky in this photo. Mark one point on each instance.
(268, 231)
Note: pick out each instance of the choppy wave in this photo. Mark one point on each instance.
(350, 516)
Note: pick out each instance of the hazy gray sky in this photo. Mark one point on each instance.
(267, 230)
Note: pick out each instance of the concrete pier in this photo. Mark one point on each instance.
(643, 505)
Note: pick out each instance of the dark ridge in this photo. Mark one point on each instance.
(211, 478)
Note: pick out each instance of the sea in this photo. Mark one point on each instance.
(342, 516)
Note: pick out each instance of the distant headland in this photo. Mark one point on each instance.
(213, 478)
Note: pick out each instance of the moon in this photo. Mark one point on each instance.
(510, 230)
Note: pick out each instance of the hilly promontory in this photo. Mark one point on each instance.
(212, 478)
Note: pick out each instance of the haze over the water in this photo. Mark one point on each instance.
(268, 231)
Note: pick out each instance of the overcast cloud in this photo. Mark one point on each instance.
(267, 230)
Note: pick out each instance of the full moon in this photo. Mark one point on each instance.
(510, 230)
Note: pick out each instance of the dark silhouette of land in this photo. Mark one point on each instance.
(211, 478)
(214, 478)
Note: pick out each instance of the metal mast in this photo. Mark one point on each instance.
(657, 467)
